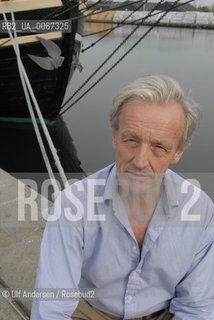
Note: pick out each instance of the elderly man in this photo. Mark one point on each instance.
(137, 235)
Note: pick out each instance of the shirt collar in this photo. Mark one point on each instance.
(170, 184)
(111, 184)
(171, 187)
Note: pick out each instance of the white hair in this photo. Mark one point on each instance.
(158, 89)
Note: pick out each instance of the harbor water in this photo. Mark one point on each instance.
(83, 139)
(184, 54)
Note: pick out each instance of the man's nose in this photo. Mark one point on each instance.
(141, 157)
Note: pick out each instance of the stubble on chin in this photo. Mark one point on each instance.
(139, 195)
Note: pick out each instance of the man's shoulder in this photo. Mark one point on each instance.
(98, 179)
(101, 174)
(188, 194)
(184, 185)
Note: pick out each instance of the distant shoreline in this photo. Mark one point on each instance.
(196, 20)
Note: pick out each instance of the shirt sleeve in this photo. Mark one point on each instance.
(194, 295)
(60, 264)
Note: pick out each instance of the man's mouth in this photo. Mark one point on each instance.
(136, 176)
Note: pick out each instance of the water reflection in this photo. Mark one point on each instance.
(91, 27)
(184, 54)
(20, 152)
(157, 33)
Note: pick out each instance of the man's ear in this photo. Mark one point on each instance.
(178, 154)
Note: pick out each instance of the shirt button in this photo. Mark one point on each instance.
(129, 299)
(134, 248)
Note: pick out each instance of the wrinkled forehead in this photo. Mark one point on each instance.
(146, 111)
(137, 115)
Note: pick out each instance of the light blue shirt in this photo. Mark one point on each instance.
(174, 269)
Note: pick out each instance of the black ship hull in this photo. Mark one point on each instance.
(48, 85)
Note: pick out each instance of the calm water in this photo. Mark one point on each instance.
(187, 55)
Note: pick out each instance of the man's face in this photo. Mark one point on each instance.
(147, 140)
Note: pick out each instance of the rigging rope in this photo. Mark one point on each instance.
(123, 21)
(97, 12)
(121, 24)
(107, 59)
(26, 86)
(31, 111)
(59, 10)
(119, 60)
(85, 9)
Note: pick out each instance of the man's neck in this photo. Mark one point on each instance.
(139, 209)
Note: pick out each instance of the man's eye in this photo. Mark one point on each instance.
(160, 148)
(130, 141)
